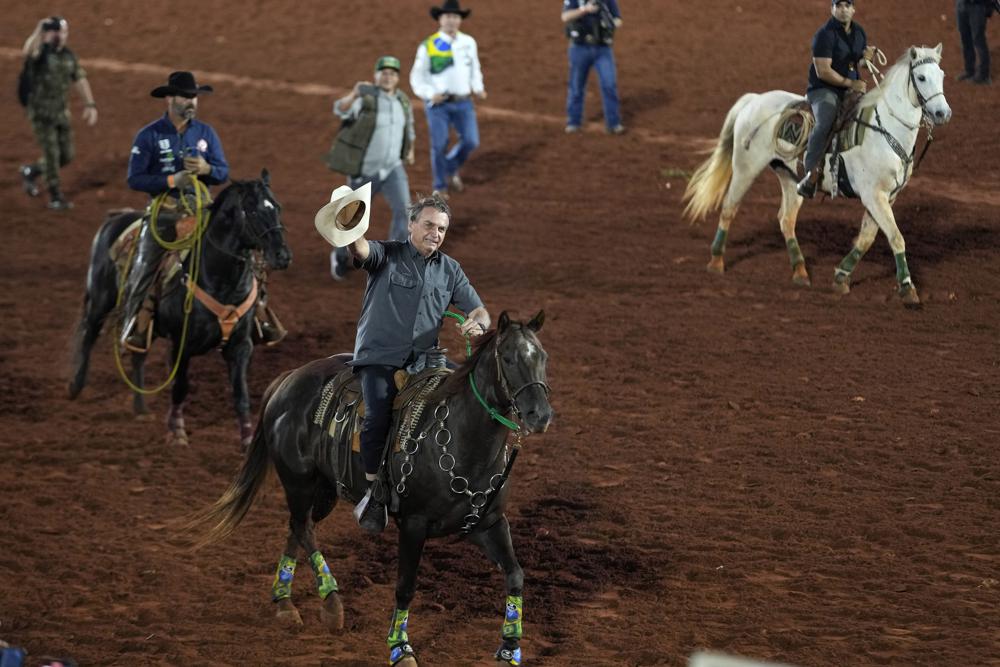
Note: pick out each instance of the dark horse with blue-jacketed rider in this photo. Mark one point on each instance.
(451, 467)
(244, 217)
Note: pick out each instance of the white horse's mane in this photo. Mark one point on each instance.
(899, 68)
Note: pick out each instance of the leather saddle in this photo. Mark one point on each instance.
(797, 121)
(341, 414)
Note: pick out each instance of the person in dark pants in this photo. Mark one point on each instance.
(972, 15)
(410, 286)
(590, 26)
(53, 69)
(838, 49)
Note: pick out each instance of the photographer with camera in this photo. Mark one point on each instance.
(49, 69)
(590, 26)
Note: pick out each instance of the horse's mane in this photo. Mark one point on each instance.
(899, 68)
(457, 380)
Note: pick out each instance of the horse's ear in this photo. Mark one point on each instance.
(537, 321)
(503, 322)
(913, 53)
(937, 50)
(265, 177)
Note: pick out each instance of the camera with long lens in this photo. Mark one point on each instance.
(53, 24)
(600, 31)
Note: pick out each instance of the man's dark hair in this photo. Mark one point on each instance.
(434, 201)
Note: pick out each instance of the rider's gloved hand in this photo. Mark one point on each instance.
(182, 179)
(196, 164)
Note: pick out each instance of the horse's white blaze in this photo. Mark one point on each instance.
(268, 204)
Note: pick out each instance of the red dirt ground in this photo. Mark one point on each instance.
(737, 464)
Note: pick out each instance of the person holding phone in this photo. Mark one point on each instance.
(168, 155)
(590, 27)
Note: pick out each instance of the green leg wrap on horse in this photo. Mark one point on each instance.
(325, 583)
(719, 244)
(512, 618)
(848, 264)
(902, 270)
(397, 630)
(794, 252)
(281, 589)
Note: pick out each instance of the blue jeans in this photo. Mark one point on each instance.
(378, 390)
(581, 58)
(396, 190)
(825, 103)
(441, 117)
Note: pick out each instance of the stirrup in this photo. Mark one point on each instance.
(136, 341)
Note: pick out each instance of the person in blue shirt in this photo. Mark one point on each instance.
(838, 50)
(167, 156)
(590, 26)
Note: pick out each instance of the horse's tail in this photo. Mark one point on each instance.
(709, 183)
(221, 519)
(99, 297)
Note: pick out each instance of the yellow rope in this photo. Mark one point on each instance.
(192, 243)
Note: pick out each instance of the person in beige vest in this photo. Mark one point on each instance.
(375, 139)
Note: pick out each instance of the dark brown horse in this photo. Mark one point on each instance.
(451, 468)
(244, 217)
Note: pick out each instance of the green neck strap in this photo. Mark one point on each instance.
(494, 413)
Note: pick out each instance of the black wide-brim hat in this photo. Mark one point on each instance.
(181, 83)
(449, 7)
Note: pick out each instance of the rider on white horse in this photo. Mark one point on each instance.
(838, 49)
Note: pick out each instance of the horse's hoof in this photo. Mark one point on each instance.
(716, 265)
(178, 438)
(909, 296)
(408, 661)
(73, 390)
(842, 289)
(800, 276)
(287, 614)
(332, 613)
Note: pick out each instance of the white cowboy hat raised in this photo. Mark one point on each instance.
(345, 219)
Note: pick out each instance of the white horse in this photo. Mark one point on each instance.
(878, 169)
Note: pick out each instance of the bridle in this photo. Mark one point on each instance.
(505, 385)
(248, 229)
(921, 100)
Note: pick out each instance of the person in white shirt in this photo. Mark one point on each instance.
(446, 74)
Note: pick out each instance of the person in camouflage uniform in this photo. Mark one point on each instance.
(53, 69)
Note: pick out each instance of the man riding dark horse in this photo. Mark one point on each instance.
(839, 48)
(168, 156)
(410, 286)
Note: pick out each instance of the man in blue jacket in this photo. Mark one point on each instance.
(167, 156)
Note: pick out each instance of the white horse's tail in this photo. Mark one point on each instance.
(709, 183)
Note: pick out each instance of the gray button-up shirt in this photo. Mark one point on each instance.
(404, 302)
(391, 122)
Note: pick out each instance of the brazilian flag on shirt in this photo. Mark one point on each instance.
(439, 49)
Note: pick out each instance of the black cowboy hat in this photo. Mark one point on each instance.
(449, 7)
(180, 83)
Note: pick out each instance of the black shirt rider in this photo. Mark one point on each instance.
(832, 41)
